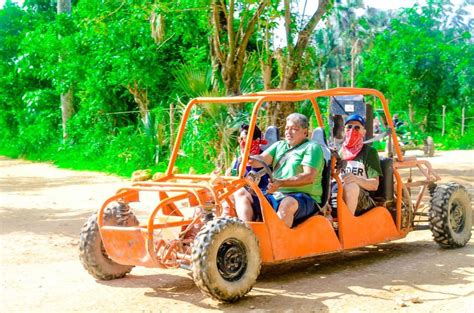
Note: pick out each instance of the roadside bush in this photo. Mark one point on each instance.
(33, 130)
(95, 144)
(453, 140)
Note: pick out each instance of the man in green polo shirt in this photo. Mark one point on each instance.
(297, 167)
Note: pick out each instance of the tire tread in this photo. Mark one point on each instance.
(96, 264)
(204, 239)
(439, 216)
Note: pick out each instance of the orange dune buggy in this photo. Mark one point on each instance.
(191, 223)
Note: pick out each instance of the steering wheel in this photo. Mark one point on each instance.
(256, 176)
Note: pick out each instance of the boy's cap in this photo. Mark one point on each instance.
(355, 117)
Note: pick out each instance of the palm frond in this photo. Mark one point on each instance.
(195, 82)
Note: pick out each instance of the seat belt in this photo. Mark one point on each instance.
(287, 154)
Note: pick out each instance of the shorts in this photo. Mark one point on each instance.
(364, 203)
(307, 206)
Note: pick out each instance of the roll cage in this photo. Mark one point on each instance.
(205, 195)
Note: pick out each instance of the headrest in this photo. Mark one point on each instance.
(319, 137)
(272, 135)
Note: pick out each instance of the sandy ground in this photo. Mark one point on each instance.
(42, 209)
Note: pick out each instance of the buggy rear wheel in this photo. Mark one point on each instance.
(92, 253)
(226, 259)
(451, 216)
(428, 146)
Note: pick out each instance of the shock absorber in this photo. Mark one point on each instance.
(207, 214)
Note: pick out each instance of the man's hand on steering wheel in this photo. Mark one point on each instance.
(265, 169)
(273, 186)
(256, 175)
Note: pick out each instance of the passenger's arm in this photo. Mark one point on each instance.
(304, 178)
(369, 184)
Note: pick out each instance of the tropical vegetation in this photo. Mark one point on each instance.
(102, 85)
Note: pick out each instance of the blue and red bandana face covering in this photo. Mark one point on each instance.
(353, 143)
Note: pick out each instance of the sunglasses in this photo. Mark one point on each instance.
(350, 126)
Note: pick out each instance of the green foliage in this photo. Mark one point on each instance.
(35, 127)
(123, 153)
(116, 68)
(336, 56)
(210, 135)
(423, 62)
(126, 61)
(210, 138)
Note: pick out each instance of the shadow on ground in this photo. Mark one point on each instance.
(42, 221)
(373, 272)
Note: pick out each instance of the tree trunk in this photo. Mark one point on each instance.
(171, 126)
(266, 59)
(291, 64)
(283, 109)
(354, 52)
(266, 66)
(140, 96)
(67, 98)
(443, 121)
(232, 77)
(67, 109)
(411, 113)
(228, 45)
(462, 121)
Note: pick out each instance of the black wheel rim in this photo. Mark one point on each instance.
(232, 259)
(456, 216)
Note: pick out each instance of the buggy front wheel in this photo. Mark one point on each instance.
(226, 259)
(92, 253)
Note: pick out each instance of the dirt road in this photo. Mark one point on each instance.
(42, 209)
